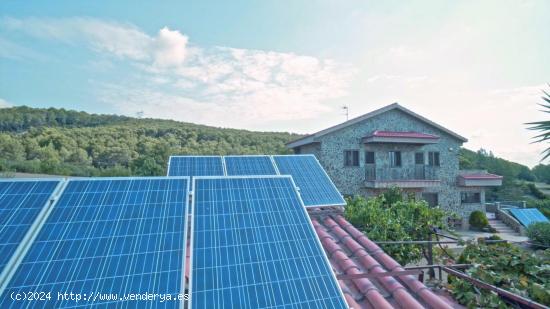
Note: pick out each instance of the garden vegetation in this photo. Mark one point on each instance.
(390, 217)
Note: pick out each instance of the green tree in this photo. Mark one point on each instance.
(148, 167)
(11, 148)
(543, 126)
(542, 172)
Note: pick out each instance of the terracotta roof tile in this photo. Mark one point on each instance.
(351, 252)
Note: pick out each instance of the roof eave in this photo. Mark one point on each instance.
(301, 142)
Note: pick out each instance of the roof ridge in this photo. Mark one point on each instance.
(395, 105)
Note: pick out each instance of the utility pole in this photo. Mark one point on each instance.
(139, 114)
(346, 111)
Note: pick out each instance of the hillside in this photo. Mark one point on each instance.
(57, 141)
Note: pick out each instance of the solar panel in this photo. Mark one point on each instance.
(249, 165)
(195, 166)
(105, 238)
(253, 246)
(21, 203)
(528, 216)
(316, 188)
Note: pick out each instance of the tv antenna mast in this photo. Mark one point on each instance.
(346, 111)
(139, 114)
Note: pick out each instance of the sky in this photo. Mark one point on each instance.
(475, 67)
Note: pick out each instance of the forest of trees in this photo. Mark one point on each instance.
(61, 142)
(21, 118)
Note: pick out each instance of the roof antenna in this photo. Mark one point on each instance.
(346, 111)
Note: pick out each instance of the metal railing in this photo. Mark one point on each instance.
(418, 172)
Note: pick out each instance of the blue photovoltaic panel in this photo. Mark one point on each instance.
(316, 188)
(249, 165)
(20, 204)
(253, 246)
(195, 166)
(528, 216)
(111, 236)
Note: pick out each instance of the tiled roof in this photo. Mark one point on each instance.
(403, 134)
(351, 252)
(481, 176)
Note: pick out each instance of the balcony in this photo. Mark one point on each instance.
(420, 176)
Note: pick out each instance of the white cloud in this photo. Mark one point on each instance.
(122, 40)
(170, 48)
(11, 50)
(215, 85)
(4, 103)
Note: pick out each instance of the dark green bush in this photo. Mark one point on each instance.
(539, 233)
(536, 192)
(478, 219)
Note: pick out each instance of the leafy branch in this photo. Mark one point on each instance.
(542, 126)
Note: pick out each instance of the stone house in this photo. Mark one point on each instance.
(393, 146)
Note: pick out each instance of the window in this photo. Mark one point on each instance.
(431, 198)
(433, 158)
(419, 158)
(470, 197)
(395, 158)
(369, 157)
(351, 158)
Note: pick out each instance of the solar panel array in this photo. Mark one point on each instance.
(20, 204)
(195, 166)
(528, 216)
(253, 246)
(316, 188)
(122, 235)
(253, 243)
(249, 165)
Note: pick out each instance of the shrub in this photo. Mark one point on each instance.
(483, 240)
(535, 191)
(542, 205)
(478, 219)
(539, 233)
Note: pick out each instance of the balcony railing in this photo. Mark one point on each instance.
(418, 172)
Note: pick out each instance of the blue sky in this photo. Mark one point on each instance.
(476, 67)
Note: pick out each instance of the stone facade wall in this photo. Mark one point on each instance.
(314, 148)
(351, 180)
